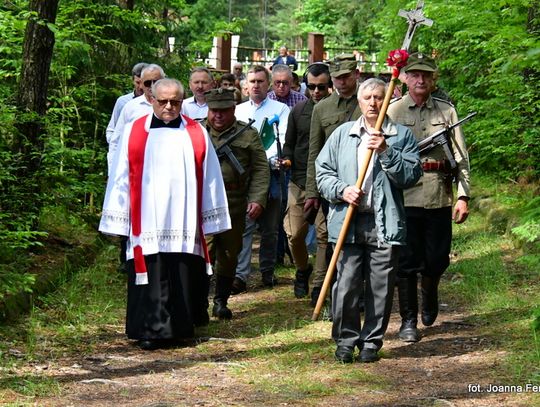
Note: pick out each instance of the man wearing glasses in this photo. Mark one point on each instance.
(165, 193)
(340, 107)
(295, 153)
(282, 79)
(122, 100)
(136, 107)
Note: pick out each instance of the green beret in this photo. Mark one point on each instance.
(420, 62)
(342, 64)
(220, 98)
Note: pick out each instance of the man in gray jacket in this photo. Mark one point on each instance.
(370, 251)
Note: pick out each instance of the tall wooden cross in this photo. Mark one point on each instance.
(414, 18)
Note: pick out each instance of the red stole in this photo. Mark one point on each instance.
(136, 150)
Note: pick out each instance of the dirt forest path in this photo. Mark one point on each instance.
(218, 371)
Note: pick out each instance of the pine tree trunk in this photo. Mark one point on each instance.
(34, 81)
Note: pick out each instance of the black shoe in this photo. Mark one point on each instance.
(344, 354)
(203, 319)
(368, 355)
(301, 282)
(148, 344)
(315, 292)
(408, 331)
(429, 317)
(238, 286)
(221, 311)
(269, 279)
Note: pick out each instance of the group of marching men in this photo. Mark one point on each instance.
(192, 179)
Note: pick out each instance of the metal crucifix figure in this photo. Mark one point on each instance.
(414, 18)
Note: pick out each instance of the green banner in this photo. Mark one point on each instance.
(267, 134)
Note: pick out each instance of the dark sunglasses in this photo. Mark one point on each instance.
(284, 83)
(149, 83)
(163, 102)
(321, 86)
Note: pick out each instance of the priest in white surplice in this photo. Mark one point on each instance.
(165, 192)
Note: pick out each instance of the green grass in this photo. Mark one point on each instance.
(67, 321)
(277, 349)
(500, 283)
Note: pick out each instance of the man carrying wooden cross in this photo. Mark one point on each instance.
(370, 251)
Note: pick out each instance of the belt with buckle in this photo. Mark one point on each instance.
(434, 166)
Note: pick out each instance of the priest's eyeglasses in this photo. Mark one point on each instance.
(173, 102)
(321, 86)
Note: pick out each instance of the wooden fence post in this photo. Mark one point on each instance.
(316, 47)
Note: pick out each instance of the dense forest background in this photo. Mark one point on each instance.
(53, 117)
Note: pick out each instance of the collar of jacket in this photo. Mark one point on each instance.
(411, 103)
(389, 128)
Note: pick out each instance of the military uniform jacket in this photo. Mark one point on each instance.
(328, 114)
(296, 147)
(252, 186)
(431, 191)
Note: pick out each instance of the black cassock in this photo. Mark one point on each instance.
(174, 301)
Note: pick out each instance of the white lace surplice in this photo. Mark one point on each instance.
(169, 194)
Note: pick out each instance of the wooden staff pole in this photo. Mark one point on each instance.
(352, 208)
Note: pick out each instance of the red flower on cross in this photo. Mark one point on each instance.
(397, 58)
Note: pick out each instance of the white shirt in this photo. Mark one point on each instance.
(359, 128)
(267, 109)
(132, 110)
(192, 109)
(169, 210)
(118, 106)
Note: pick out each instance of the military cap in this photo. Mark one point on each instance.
(220, 98)
(342, 64)
(420, 62)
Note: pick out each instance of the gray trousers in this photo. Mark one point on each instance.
(376, 264)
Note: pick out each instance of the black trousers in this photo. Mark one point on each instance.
(173, 301)
(429, 238)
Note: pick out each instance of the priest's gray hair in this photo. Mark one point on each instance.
(168, 83)
(370, 84)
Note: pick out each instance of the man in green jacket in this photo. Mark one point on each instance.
(429, 203)
(340, 107)
(246, 192)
